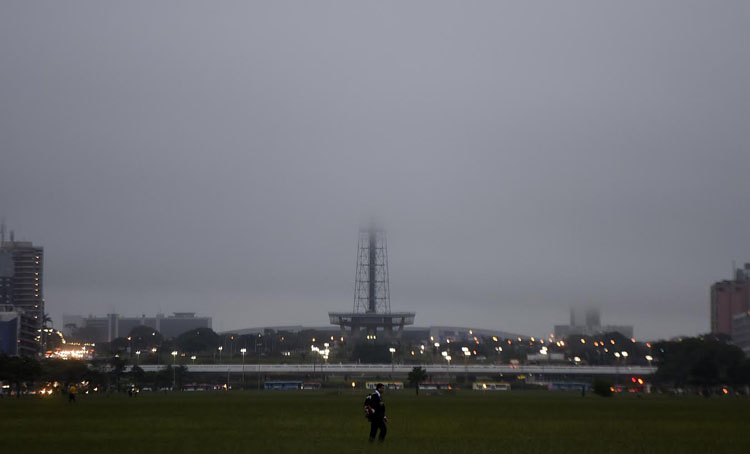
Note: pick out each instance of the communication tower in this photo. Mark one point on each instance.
(372, 294)
(371, 291)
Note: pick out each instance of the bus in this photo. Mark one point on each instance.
(490, 386)
(282, 385)
(387, 384)
(568, 386)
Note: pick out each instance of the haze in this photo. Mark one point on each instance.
(219, 157)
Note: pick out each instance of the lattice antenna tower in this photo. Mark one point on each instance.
(372, 293)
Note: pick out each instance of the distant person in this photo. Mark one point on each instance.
(72, 391)
(375, 408)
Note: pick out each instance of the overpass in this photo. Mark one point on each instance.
(403, 369)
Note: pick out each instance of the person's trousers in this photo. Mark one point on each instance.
(375, 425)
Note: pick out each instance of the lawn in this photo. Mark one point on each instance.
(325, 421)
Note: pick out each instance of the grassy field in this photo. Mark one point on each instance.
(326, 422)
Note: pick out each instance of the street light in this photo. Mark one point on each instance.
(243, 350)
(392, 350)
(221, 347)
(137, 356)
(448, 358)
(174, 370)
(617, 367)
(467, 353)
(193, 358)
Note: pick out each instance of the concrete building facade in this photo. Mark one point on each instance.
(21, 280)
(112, 326)
(729, 298)
(18, 334)
(741, 331)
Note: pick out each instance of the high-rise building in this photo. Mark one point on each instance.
(7, 270)
(587, 322)
(21, 289)
(741, 331)
(18, 334)
(729, 298)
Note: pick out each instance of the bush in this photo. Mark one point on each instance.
(602, 387)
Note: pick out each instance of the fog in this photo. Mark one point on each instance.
(220, 157)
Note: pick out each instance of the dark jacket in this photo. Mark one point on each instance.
(377, 404)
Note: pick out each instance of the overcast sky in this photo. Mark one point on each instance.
(219, 157)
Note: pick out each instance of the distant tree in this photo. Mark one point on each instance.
(740, 373)
(53, 340)
(168, 345)
(119, 345)
(19, 371)
(117, 369)
(137, 375)
(367, 352)
(97, 379)
(198, 340)
(417, 376)
(164, 377)
(698, 361)
(144, 337)
(181, 376)
(65, 371)
(602, 387)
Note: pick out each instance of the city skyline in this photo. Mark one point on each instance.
(220, 159)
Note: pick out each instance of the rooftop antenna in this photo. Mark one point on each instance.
(2, 231)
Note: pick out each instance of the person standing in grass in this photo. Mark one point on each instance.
(72, 391)
(376, 414)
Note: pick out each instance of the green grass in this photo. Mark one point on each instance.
(311, 422)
